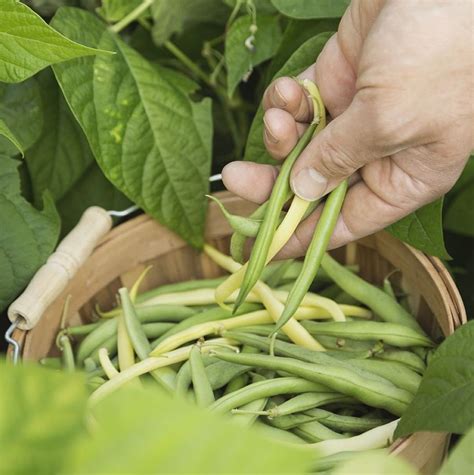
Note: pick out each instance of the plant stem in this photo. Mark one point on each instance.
(132, 16)
(188, 62)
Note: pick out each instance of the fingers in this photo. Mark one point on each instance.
(281, 132)
(353, 139)
(251, 181)
(364, 212)
(286, 94)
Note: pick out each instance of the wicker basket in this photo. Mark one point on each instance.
(126, 250)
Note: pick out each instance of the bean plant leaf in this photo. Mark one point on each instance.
(91, 189)
(444, 400)
(149, 138)
(29, 44)
(8, 134)
(184, 447)
(305, 9)
(374, 463)
(27, 236)
(261, 6)
(241, 56)
(459, 214)
(294, 35)
(176, 16)
(423, 229)
(61, 154)
(115, 10)
(461, 459)
(41, 412)
(20, 110)
(304, 56)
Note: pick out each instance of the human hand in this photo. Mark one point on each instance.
(397, 78)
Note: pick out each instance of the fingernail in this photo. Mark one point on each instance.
(268, 134)
(278, 97)
(309, 184)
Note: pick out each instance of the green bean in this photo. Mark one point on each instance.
(51, 362)
(280, 271)
(204, 317)
(95, 382)
(237, 247)
(330, 292)
(247, 226)
(247, 414)
(82, 330)
(260, 389)
(259, 254)
(343, 298)
(397, 373)
(306, 401)
(237, 383)
(407, 358)
(291, 420)
(64, 344)
(377, 300)
(263, 330)
(180, 287)
(291, 350)
(315, 432)
(345, 423)
(390, 333)
(388, 289)
(165, 376)
(330, 462)
(110, 344)
(315, 252)
(337, 375)
(202, 387)
(221, 373)
(108, 328)
(345, 344)
(278, 434)
(154, 330)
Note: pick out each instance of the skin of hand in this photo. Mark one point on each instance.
(397, 80)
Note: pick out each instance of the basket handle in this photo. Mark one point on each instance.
(51, 279)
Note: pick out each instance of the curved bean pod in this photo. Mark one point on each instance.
(314, 431)
(339, 376)
(390, 333)
(261, 389)
(201, 385)
(377, 300)
(314, 254)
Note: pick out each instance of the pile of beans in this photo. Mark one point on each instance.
(338, 385)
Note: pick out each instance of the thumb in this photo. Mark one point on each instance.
(348, 143)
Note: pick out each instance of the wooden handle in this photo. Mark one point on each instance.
(52, 277)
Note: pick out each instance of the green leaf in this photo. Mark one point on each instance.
(20, 109)
(92, 189)
(423, 229)
(61, 155)
(115, 10)
(375, 463)
(461, 459)
(8, 134)
(295, 34)
(27, 236)
(175, 17)
(444, 400)
(240, 59)
(195, 441)
(262, 6)
(29, 44)
(459, 212)
(149, 138)
(303, 57)
(305, 9)
(459, 217)
(41, 416)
